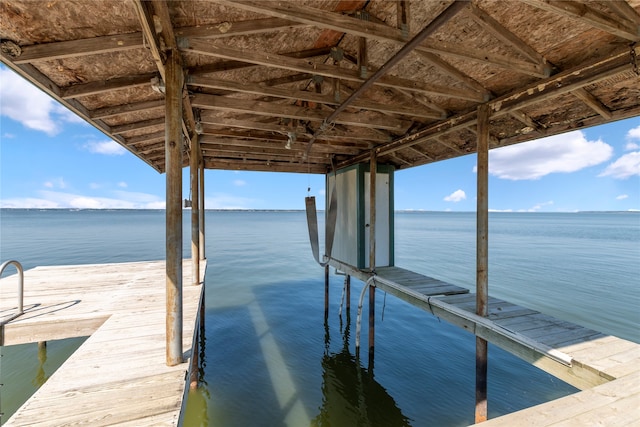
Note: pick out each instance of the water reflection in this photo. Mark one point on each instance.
(350, 394)
(41, 376)
(196, 412)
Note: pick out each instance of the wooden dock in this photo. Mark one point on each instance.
(118, 375)
(605, 367)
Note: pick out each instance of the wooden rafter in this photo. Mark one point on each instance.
(527, 121)
(293, 112)
(144, 124)
(593, 102)
(102, 86)
(298, 65)
(491, 25)
(123, 42)
(265, 89)
(564, 82)
(584, 13)
(117, 110)
(374, 30)
(624, 10)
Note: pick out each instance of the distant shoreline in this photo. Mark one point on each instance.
(417, 211)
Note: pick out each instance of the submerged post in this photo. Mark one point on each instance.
(195, 209)
(326, 292)
(173, 166)
(482, 250)
(373, 171)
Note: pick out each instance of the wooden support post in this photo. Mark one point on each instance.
(173, 153)
(373, 171)
(326, 291)
(403, 17)
(348, 294)
(201, 208)
(193, 369)
(362, 57)
(482, 251)
(195, 209)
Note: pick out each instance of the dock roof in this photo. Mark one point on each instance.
(309, 85)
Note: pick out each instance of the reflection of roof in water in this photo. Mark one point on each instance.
(352, 397)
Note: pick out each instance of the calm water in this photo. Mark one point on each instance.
(271, 360)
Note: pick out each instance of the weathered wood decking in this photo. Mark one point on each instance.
(607, 368)
(118, 375)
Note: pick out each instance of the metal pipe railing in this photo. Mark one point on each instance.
(20, 287)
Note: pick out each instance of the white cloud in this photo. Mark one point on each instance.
(239, 183)
(28, 203)
(8, 135)
(58, 199)
(55, 183)
(109, 148)
(26, 104)
(456, 196)
(569, 152)
(622, 197)
(634, 133)
(122, 184)
(626, 166)
(631, 146)
(94, 185)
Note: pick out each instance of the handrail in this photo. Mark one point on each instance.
(20, 288)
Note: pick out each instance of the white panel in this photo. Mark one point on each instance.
(345, 246)
(382, 218)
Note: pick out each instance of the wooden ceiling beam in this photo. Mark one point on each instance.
(449, 146)
(294, 112)
(238, 28)
(527, 121)
(81, 47)
(235, 65)
(561, 83)
(262, 166)
(263, 153)
(454, 73)
(582, 12)
(624, 10)
(373, 30)
(116, 110)
(144, 124)
(304, 66)
(146, 138)
(489, 24)
(470, 54)
(263, 89)
(123, 42)
(102, 86)
(593, 102)
(335, 134)
(265, 143)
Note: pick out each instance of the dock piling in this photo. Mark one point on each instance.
(482, 248)
(173, 148)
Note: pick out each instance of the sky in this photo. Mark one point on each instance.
(50, 158)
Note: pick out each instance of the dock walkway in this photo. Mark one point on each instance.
(118, 375)
(605, 367)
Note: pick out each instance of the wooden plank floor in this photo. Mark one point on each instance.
(605, 367)
(118, 375)
(419, 282)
